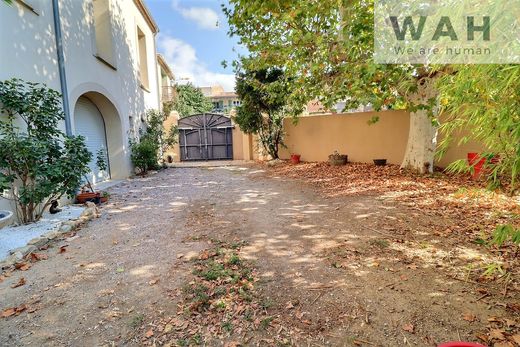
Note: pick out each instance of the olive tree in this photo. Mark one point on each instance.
(267, 99)
(38, 162)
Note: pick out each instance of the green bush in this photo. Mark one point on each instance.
(38, 162)
(147, 150)
(144, 156)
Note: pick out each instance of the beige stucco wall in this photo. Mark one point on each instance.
(315, 137)
(27, 43)
(174, 152)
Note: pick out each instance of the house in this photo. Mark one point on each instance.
(101, 55)
(223, 102)
(167, 80)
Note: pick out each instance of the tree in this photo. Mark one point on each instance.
(485, 100)
(156, 139)
(267, 99)
(190, 100)
(38, 163)
(328, 45)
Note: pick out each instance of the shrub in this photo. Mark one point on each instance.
(38, 163)
(147, 150)
(144, 156)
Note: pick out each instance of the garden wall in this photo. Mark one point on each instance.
(315, 137)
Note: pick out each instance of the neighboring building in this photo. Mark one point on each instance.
(110, 67)
(167, 80)
(223, 102)
(110, 75)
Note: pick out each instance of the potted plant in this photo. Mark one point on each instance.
(379, 162)
(295, 158)
(87, 193)
(104, 197)
(337, 159)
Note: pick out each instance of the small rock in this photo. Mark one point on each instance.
(38, 241)
(65, 228)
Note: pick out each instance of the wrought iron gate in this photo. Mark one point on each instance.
(206, 136)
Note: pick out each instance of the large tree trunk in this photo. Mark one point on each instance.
(422, 136)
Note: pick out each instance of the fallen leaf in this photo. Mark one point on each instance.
(204, 255)
(22, 266)
(149, 333)
(469, 317)
(180, 255)
(120, 269)
(409, 327)
(168, 328)
(38, 256)
(63, 249)
(20, 283)
(289, 305)
(8, 312)
(497, 334)
(152, 282)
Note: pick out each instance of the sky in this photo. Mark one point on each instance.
(193, 39)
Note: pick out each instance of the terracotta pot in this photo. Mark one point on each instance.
(82, 198)
(295, 158)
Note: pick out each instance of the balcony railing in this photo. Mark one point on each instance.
(168, 93)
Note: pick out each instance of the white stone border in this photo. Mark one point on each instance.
(18, 254)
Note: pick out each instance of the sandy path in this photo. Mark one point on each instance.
(331, 258)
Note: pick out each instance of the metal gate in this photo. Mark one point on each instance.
(206, 136)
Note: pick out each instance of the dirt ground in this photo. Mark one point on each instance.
(340, 271)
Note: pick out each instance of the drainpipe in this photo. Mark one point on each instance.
(61, 65)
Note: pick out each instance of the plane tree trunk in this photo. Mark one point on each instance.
(422, 136)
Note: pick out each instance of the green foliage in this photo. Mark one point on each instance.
(485, 101)
(504, 233)
(144, 155)
(38, 163)
(147, 150)
(267, 98)
(189, 100)
(101, 161)
(328, 46)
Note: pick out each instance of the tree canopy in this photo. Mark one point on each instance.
(189, 100)
(267, 99)
(327, 45)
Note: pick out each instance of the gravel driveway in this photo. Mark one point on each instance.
(331, 260)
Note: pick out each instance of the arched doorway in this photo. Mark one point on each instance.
(96, 118)
(90, 124)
